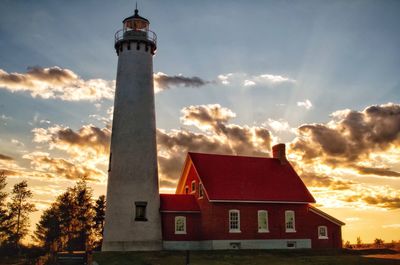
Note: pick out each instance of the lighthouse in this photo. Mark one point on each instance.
(132, 221)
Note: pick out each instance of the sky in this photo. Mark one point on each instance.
(231, 77)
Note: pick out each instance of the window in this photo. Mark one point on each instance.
(140, 212)
(263, 221)
(180, 225)
(109, 162)
(234, 221)
(193, 186)
(289, 221)
(186, 190)
(322, 232)
(200, 190)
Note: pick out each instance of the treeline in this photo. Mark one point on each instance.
(74, 221)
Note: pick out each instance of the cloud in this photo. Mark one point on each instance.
(9, 165)
(163, 81)
(312, 179)
(378, 200)
(5, 117)
(377, 171)
(305, 104)
(391, 226)
(17, 142)
(60, 83)
(92, 140)
(51, 167)
(210, 116)
(56, 82)
(350, 137)
(278, 125)
(254, 80)
(5, 157)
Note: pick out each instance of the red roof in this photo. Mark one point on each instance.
(241, 178)
(178, 203)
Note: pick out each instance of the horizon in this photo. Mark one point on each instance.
(231, 77)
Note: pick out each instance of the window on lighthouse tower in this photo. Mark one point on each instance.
(140, 211)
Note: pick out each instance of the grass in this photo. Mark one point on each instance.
(248, 257)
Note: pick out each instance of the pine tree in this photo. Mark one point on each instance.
(84, 215)
(18, 212)
(66, 209)
(3, 209)
(72, 222)
(48, 230)
(98, 222)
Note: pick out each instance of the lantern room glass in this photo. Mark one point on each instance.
(136, 24)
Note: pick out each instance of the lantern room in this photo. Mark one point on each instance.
(135, 30)
(136, 22)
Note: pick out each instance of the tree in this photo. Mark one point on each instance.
(72, 222)
(98, 222)
(347, 244)
(378, 242)
(3, 209)
(83, 215)
(359, 242)
(65, 209)
(48, 230)
(18, 212)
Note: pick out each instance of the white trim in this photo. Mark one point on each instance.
(326, 232)
(191, 186)
(184, 225)
(179, 211)
(200, 180)
(201, 190)
(234, 230)
(262, 230)
(326, 216)
(290, 230)
(239, 201)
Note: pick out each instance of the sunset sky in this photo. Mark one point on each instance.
(232, 77)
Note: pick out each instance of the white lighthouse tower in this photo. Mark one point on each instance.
(132, 217)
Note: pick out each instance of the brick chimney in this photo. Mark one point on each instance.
(278, 151)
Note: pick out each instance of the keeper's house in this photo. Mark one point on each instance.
(233, 202)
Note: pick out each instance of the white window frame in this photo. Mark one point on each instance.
(319, 232)
(177, 218)
(293, 228)
(266, 229)
(234, 230)
(193, 187)
(201, 190)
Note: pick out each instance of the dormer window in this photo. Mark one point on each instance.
(201, 191)
(193, 186)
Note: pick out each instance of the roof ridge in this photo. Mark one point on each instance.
(231, 155)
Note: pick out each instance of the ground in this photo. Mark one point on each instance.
(252, 257)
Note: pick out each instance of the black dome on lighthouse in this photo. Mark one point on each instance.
(136, 16)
